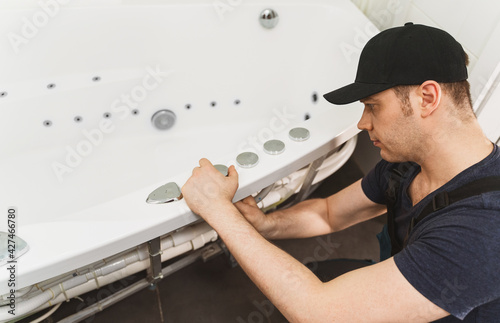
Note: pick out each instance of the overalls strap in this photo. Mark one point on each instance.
(438, 202)
(396, 178)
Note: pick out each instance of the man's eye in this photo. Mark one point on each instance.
(370, 106)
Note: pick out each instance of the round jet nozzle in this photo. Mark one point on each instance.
(163, 119)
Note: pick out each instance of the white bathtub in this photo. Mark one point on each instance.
(80, 180)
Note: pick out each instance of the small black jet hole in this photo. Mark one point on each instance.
(315, 97)
(78, 119)
(135, 112)
(47, 123)
(51, 86)
(307, 116)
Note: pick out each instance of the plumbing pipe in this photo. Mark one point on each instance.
(129, 270)
(115, 268)
(49, 313)
(337, 160)
(108, 301)
(130, 256)
(295, 180)
(112, 299)
(18, 294)
(98, 282)
(184, 235)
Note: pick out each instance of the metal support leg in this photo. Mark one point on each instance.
(311, 174)
(305, 189)
(154, 270)
(210, 250)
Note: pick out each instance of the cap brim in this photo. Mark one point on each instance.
(355, 92)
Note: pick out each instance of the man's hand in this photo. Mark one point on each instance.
(207, 191)
(248, 207)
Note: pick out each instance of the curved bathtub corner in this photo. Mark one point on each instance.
(80, 154)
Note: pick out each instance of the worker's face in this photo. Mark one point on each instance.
(397, 135)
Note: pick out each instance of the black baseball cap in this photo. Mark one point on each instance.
(408, 55)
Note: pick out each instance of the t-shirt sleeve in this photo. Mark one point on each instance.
(375, 183)
(454, 264)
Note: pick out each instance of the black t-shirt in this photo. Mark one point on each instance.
(453, 255)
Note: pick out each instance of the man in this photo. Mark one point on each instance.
(412, 82)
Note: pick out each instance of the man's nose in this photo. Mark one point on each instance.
(365, 123)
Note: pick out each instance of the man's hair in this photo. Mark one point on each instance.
(459, 93)
(403, 94)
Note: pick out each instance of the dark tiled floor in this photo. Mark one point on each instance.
(213, 292)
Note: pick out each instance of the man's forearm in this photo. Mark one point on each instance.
(322, 216)
(369, 292)
(306, 219)
(284, 280)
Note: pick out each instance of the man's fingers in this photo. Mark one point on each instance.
(250, 200)
(247, 200)
(239, 205)
(231, 172)
(205, 162)
(243, 207)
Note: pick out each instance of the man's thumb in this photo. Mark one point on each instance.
(232, 173)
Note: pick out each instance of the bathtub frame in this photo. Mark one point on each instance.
(143, 222)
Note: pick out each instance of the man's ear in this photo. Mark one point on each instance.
(429, 94)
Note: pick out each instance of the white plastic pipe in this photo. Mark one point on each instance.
(292, 184)
(113, 269)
